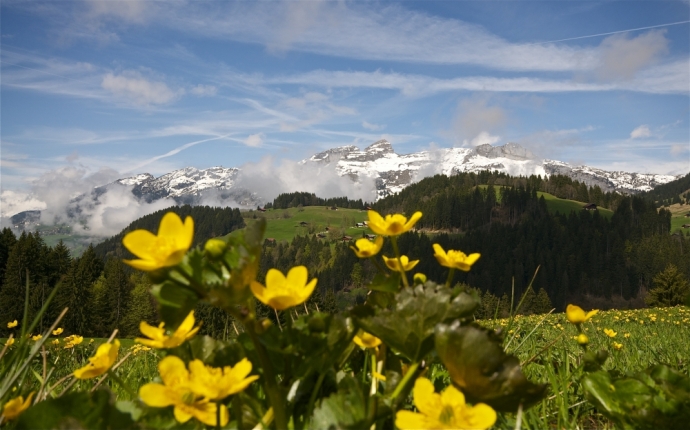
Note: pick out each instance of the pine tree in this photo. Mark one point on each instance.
(670, 288)
(142, 306)
(27, 257)
(7, 241)
(528, 299)
(76, 293)
(542, 303)
(117, 293)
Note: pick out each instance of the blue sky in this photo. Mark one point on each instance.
(96, 90)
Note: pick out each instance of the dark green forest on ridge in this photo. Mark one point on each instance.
(582, 256)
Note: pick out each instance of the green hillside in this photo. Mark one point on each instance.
(284, 224)
(555, 204)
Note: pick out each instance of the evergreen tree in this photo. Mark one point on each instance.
(117, 293)
(142, 306)
(76, 293)
(670, 288)
(27, 258)
(542, 303)
(7, 241)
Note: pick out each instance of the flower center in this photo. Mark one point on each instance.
(447, 414)
(162, 248)
(188, 398)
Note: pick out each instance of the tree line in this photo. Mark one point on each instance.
(293, 200)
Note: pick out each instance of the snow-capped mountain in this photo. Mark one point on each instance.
(190, 186)
(393, 172)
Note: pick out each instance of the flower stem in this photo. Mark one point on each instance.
(394, 242)
(272, 389)
(405, 381)
(122, 384)
(449, 281)
(315, 392)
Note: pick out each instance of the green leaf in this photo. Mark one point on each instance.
(656, 398)
(409, 327)
(174, 302)
(480, 368)
(345, 409)
(387, 283)
(76, 411)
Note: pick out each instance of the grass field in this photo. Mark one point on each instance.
(566, 206)
(284, 224)
(544, 344)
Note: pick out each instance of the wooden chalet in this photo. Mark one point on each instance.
(687, 215)
(346, 238)
(686, 226)
(321, 236)
(261, 209)
(371, 236)
(303, 224)
(590, 207)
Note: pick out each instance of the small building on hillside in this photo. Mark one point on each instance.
(321, 236)
(590, 207)
(261, 209)
(303, 224)
(371, 236)
(346, 238)
(686, 226)
(687, 215)
(360, 224)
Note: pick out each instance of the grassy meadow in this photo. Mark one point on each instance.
(544, 345)
(284, 224)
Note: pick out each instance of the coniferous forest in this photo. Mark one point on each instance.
(579, 255)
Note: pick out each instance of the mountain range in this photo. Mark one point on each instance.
(377, 164)
(391, 172)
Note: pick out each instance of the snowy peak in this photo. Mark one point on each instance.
(511, 151)
(380, 147)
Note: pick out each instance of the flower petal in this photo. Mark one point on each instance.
(138, 242)
(158, 395)
(144, 265)
(451, 396)
(259, 292)
(155, 333)
(173, 371)
(413, 220)
(425, 399)
(297, 277)
(408, 420)
(480, 416)
(171, 226)
(275, 280)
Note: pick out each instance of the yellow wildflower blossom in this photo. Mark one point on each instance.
(37, 337)
(16, 406)
(455, 259)
(404, 265)
(56, 342)
(58, 331)
(366, 248)
(576, 315)
(176, 391)
(626, 335)
(447, 410)
(158, 338)
(283, 292)
(610, 333)
(217, 383)
(12, 324)
(10, 341)
(617, 345)
(392, 225)
(73, 341)
(366, 340)
(582, 339)
(168, 248)
(419, 278)
(105, 357)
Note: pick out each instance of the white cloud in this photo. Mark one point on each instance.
(622, 58)
(254, 140)
(204, 90)
(680, 149)
(138, 90)
(481, 139)
(641, 132)
(134, 11)
(475, 120)
(14, 202)
(373, 127)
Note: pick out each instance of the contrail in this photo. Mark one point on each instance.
(610, 32)
(174, 151)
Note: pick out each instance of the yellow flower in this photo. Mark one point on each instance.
(617, 345)
(366, 248)
(73, 341)
(10, 341)
(366, 340)
(166, 249)
(392, 225)
(105, 357)
(55, 342)
(158, 338)
(582, 339)
(176, 391)
(283, 292)
(576, 315)
(12, 324)
(217, 383)
(215, 247)
(447, 410)
(419, 278)
(57, 331)
(610, 333)
(37, 337)
(404, 265)
(626, 335)
(16, 406)
(455, 259)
